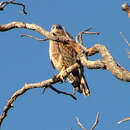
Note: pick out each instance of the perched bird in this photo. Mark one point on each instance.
(62, 55)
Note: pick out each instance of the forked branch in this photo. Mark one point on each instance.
(93, 126)
(79, 36)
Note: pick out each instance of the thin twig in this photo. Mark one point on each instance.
(96, 122)
(127, 42)
(58, 91)
(93, 126)
(38, 39)
(128, 53)
(4, 4)
(61, 92)
(80, 124)
(124, 120)
(79, 36)
(124, 38)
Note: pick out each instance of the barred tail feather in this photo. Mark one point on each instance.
(79, 84)
(84, 86)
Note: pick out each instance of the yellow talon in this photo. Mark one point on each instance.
(60, 75)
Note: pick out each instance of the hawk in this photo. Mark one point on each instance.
(62, 55)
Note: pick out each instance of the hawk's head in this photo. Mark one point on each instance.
(56, 28)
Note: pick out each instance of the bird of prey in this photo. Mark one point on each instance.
(62, 55)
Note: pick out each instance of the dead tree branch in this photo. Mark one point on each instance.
(93, 126)
(107, 62)
(127, 42)
(61, 92)
(80, 35)
(80, 124)
(5, 3)
(26, 87)
(96, 122)
(38, 39)
(124, 120)
(124, 38)
(33, 27)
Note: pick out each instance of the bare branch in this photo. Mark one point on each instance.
(124, 38)
(124, 120)
(96, 122)
(4, 4)
(61, 92)
(93, 126)
(107, 62)
(58, 91)
(79, 36)
(42, 84)
(25, 35)
(80, 124)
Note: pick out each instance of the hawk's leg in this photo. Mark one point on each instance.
(60, 75)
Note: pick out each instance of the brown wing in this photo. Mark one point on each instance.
(55, 55)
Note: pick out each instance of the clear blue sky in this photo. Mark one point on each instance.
(24, 60)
